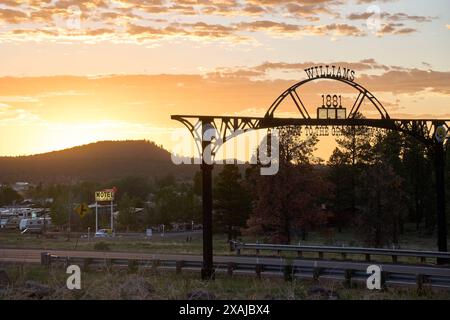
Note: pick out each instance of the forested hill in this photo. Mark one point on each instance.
(100, 161)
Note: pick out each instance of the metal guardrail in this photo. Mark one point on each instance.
(429, 277)
(343, 251)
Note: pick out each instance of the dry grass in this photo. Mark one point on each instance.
(147, 284)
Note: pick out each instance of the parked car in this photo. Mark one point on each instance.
(3, 223)
(103, 233)
(10, 223)
(34, 223)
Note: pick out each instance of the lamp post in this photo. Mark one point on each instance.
(207, 272)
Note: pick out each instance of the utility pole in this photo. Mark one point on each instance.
(96, 216)
(45, 213)
(70, 205)
(207, 272)
(112, 219)
(439, 167)
(70, 209)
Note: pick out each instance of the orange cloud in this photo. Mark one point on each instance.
(122, 20)
(388, 78)
(285, 28)
(334, 30)
(395, 29)
(310, 11)
(391, 17)
(272, 26)
(410, 81)
(12, 16)
(196, 30)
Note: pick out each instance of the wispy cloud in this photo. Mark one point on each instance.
(16, 116)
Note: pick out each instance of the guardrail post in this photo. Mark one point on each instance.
(367, 257)
(132, 265)
(299, 254)
(420, 280)
(343, 255)
(258, 270)
(179, 266)
(155, 264)
(320, 255)
(288, 272)
(108, 263)
(423, 260)
(86, 263)
(66, 262)
(316, 273)
(348, 278)
(230, 268)
(394, 259)
(383, 278)
(238, 251)
(45, 259)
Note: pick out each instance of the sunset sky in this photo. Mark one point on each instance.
(74, 72)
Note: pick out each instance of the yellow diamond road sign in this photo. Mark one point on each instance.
(82, 209)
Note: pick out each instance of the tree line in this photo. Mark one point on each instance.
(160, 201)
(374, 183)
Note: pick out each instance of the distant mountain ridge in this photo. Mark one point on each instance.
(100, 161)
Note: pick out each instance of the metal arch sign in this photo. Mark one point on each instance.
(104, 195)
(330, 72)
(226, 125)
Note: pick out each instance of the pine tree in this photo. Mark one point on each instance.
(340, 176)
(61, 209)
(289, 200)
(9, 196)
(232, 203)
(355, 144)
(418, 175)
(127, 215)
(382, 193)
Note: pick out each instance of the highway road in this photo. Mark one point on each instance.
(34, 256)
(138, 235)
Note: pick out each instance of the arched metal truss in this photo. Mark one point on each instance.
(227, 127)
(295, 96)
